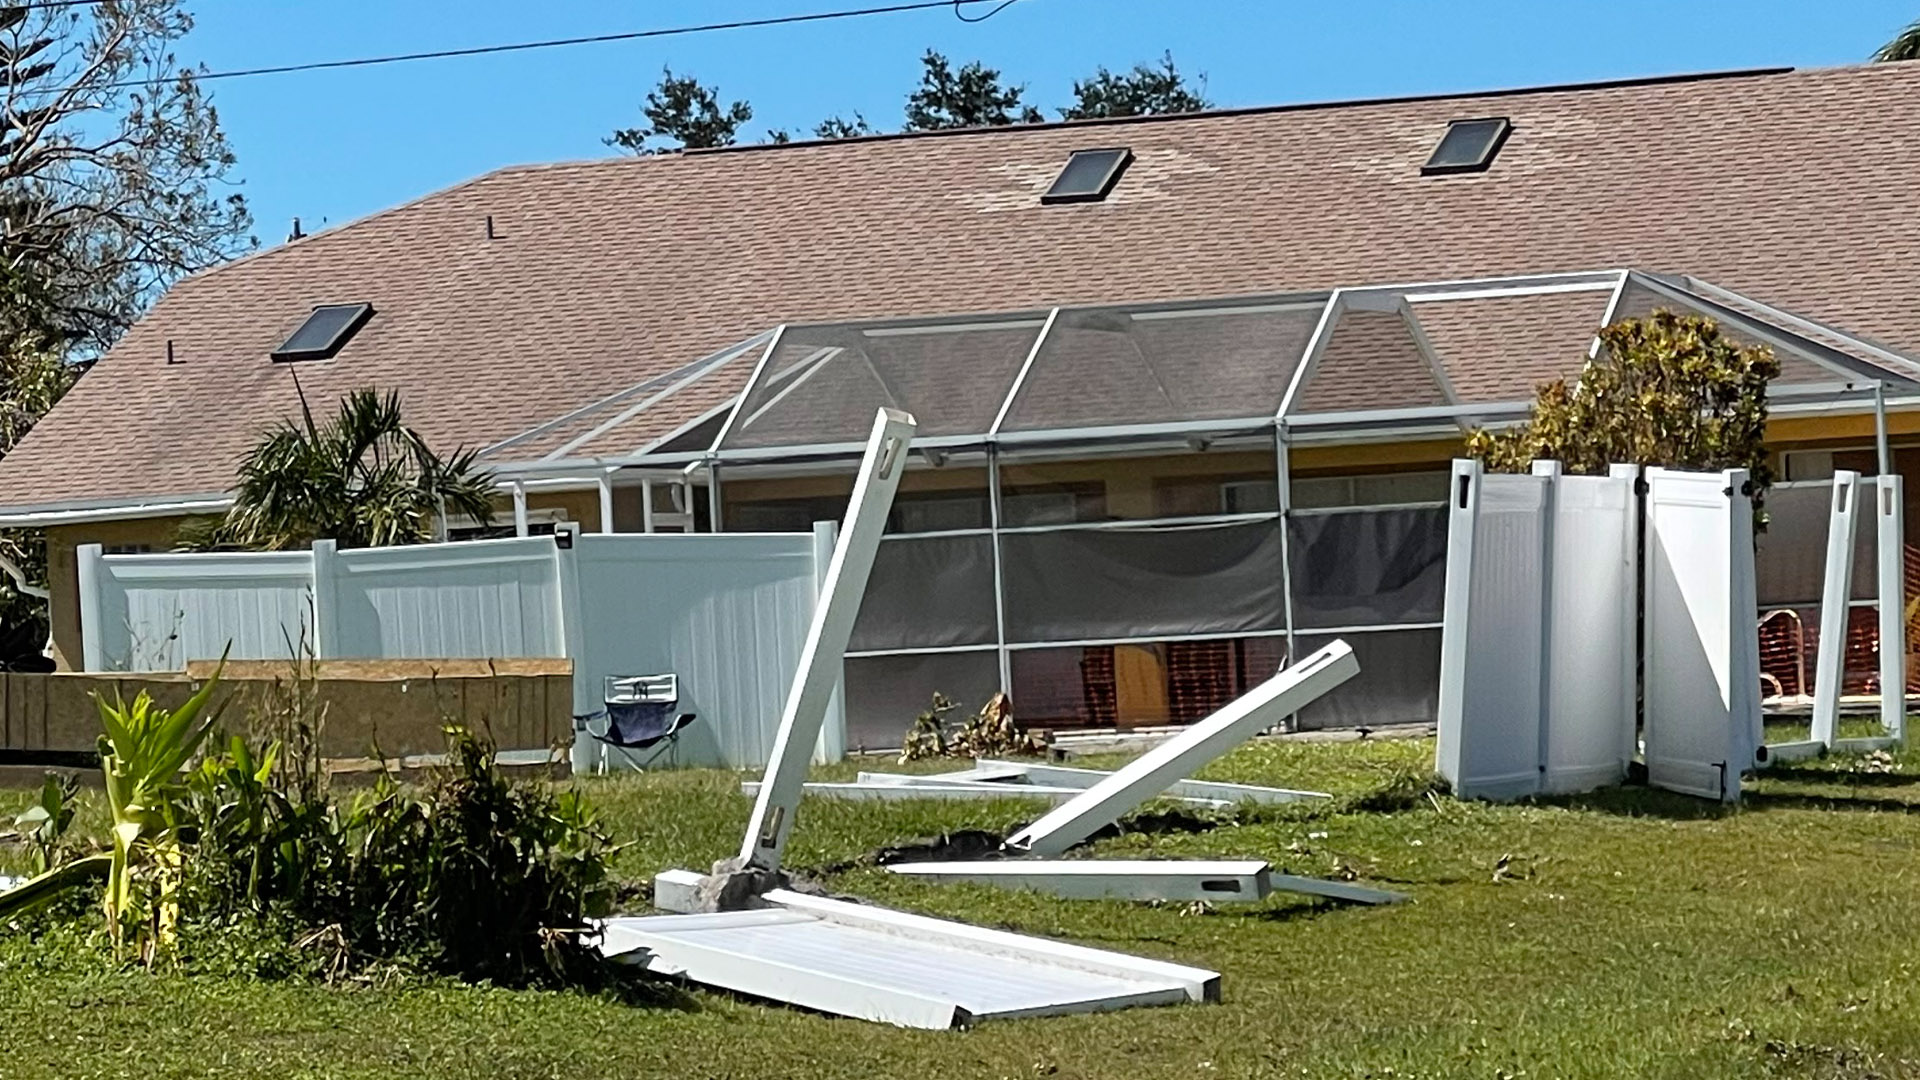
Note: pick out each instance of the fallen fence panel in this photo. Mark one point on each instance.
(892, 967)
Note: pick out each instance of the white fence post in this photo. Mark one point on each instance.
(91, 609)
(326, 645)
(1891, 510)
(1835, 608)
(1550, 471)
(832, 746)
(1630, 612)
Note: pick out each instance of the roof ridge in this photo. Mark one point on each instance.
(1263, 110)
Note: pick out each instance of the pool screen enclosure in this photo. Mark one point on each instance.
(1008, 570)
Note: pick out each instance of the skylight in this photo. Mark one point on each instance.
(1088, 176)
(1468, 146)
(324, 332)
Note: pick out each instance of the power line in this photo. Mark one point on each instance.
(958, 7)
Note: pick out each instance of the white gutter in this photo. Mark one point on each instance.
(39, 519)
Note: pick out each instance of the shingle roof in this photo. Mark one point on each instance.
(1793, 188)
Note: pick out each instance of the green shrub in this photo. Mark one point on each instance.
(473, 875)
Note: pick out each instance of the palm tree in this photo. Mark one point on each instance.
(364, 480)
(1904, 46)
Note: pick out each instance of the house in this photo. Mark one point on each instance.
(1187, 386)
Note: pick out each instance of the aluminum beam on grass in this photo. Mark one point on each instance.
(1161, 767)
(1700, 643)
(1019, 774)
(1221, 881)
(1835, 611)
(888, 966)
(865, 790)
(823, 654)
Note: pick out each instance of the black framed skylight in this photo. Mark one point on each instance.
(324, 332)
(1089, 175)
(1468, 146)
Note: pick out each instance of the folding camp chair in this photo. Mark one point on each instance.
(642, 712)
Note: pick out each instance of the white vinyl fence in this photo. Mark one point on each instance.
(1537, 654)
(726, 613)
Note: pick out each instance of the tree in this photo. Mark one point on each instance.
(33, 376)
(112, 163)
(970, 97)
(1665, 390)
(1904, 46)
(114, 182)
(688, 113)
(1144, 91)
(837, 127)
(364, 480)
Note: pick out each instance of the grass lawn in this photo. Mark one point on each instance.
(1623, 934)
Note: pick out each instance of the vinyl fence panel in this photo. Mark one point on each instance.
(156, 612)
(1491, 650)
(1591, 628)
(477, 599)
(1702, 702)
(726, 613)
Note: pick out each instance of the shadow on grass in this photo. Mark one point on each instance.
(1853, 778)
(1640, 801)
(1793, 800)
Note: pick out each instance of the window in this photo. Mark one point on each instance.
(938, 511)
(1249, 496)
(543, 522)
(1379, 489)
(324, 332)
(126, 549)
(1088, 176)
(1468, 146)
(1053, 504)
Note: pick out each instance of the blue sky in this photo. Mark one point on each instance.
(337, 145)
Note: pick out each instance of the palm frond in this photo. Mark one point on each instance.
(1904, 46)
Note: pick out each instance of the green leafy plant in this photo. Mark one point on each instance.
(44, 824)
(1668, 390)
(473, 875)
(141, 755)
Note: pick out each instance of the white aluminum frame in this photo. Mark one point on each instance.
(1021, 775)
(1159, 768)
(1208, 881)
(822, 657)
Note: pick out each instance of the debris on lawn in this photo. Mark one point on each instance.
(755, 936)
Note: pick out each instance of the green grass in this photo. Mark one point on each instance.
(1628, 933)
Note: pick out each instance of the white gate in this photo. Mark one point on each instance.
(1702, 699)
